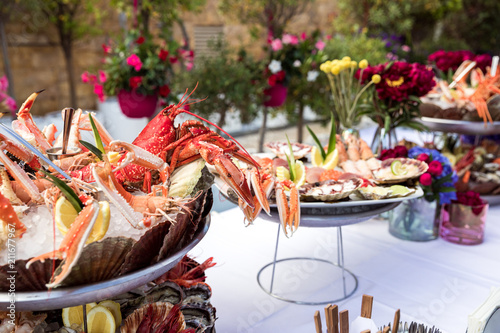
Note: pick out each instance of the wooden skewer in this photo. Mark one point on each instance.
(344, 321)
(366, 331)
(395, 325)
(317, 322)
(328, 319)
(386, 329)
(334, 314)
(366, 306)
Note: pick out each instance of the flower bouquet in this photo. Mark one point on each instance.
(447, 62)
(418, 219)
(138, 70)
(463, 219)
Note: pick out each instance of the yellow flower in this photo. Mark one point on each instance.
(346, 59)
(354, 64)
(335, 70)
(376, 78)
(363, 64)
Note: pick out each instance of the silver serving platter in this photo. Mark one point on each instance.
(461, 126)
(73, 296)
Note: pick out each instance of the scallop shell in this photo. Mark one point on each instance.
(32, 279)
(199, 315)
(385, 176)
(329, 190)
(156, 314)
(280, 149)
(99, 261)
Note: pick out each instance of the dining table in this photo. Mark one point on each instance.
(436, 283)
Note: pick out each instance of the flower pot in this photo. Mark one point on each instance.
(135, 105)
(276, 95)
(415, 220)
(462, 224)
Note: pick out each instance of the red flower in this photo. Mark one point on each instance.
(164, 91)
(387, 153)
(449, 60)
(140, 40)
(272, 80)
(483, 60)
(135, 81)
(426, 179)
(173, 60)
(163, 55)
(401, 151)
(435, 168)
(423, 157)
(106, 48)
(472, 199)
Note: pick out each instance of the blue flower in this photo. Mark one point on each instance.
(446, 197)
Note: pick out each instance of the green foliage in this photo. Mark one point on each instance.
(227, 82)
(357, 46)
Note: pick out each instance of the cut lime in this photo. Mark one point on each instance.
(398, 169)
(399, 190)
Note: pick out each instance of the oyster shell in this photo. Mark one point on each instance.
(414, 169)
(99, 261)
(32, 279)
(280, 148)
(374, 192)
(329, 190)
(199, 315)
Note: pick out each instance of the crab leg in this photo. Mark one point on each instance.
(9, 218)
(20, 152)
(24, 117)
(72, 244)
(289, 214)
(49, 132)
(21, 176)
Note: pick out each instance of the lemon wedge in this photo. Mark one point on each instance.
(114, 308)
(100, 320)
(113, 156)
(330, 162)
(282, 174)
(65, 214)
(398, 169)
(74, 315)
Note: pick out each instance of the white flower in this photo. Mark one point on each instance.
(297, 63)
(312, 76)
(275, 66)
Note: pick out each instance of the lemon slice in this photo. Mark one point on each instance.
(399, 190)
(331, 161)
(398, 169)
(65, 214)
(113, 156)
(100, 320)
(300, 174)
(74, 315)
(114, 308)
(282, 173)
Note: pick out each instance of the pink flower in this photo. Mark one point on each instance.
(4, 83)
(92, 78)
(435, 168)
(189, 65)
(10, 103)
(405, 48)
(99, 91)
(290, 39)
(85, 77)
(102, 76)
(328, 37)
(135, 62)
(303, 36)
(106, 48)
(276, 44)
(320, 45)
(426, 179)
(173, 60)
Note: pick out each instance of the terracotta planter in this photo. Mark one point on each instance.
(135, 105)
(276, 95)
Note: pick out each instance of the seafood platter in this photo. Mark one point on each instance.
(469, 105)
(176, 301)
(350, 183)
(107, 216)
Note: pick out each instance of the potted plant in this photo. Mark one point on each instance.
(138, 71)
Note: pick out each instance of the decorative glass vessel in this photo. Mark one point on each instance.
(462, 224)
(415, 220)
(383, 140)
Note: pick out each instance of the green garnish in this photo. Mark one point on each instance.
(291, 160)
(97, 136)
(332, 141)
(93, 149)
(66, 190)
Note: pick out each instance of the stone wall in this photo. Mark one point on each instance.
(37, 61)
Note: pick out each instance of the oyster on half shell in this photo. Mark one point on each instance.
(281, 149)
(329, 190)
(412, 169)
(380, 193)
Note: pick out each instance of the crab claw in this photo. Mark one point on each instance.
(8, 218)
(72, 244)
(20, 175)
(289, 212)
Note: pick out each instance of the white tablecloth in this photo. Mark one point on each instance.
(435, 282)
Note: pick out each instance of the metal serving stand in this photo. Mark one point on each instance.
(72, 296)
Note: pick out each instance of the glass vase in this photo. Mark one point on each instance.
(415, 220)
(383, 140)
(462, 224)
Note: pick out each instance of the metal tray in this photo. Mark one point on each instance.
(66, 297)
(461, 126)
